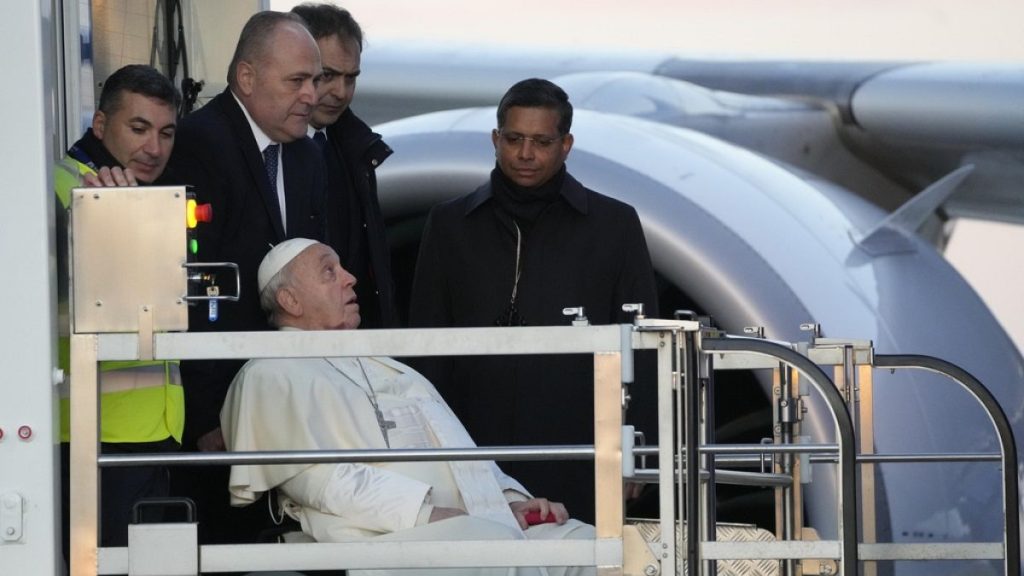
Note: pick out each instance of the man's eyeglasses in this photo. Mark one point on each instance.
(515, 139)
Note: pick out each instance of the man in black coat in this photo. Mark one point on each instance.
(518, 250)
(247, 154)
(352, 152)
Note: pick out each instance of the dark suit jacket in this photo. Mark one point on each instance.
(586, 250)
(355, 225)
(216, 153)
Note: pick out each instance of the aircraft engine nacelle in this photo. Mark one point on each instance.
(754, 242)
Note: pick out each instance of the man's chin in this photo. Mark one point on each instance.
(352, 317)
(145, 174)
(295, 128)
(527, 182)
(294, 133)
(325, 118)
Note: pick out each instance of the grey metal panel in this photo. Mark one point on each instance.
(106, 298)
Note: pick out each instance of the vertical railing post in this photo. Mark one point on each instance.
(667, 452)
(788, 503)
(709, 492)
(84, 470)
(608, 450)
(691, 439)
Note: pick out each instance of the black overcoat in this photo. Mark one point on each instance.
(586, 250)
(355, 225)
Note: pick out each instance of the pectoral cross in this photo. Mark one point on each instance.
(384, 425)
(371, 396)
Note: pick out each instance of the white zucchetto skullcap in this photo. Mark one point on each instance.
(279, 257)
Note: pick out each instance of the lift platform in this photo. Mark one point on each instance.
(145, 324)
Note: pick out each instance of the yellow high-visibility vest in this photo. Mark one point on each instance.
(140, 401)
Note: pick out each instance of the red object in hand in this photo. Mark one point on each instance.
(533, 517)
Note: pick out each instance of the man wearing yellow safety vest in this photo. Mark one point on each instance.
(141, 403)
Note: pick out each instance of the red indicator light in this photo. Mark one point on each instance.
(204, 212)
(196, 213)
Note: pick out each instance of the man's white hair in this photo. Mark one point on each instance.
(268, 296)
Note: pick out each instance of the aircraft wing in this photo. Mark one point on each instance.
(886, 130)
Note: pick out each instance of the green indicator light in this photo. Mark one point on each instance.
(193, 246)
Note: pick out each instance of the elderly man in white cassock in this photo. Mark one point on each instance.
(366, 403)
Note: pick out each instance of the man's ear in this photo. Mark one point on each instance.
(566, 146)
(99, 124)
(287, 302)
(245, 77)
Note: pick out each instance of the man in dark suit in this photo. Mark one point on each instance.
(247, 154)
(352, 153)
(527, 243)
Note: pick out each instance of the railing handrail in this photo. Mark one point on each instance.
(1007, 443)
(844, 428)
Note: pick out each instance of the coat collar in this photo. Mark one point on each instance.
(91, 151)
(574, 194)
(352, 134)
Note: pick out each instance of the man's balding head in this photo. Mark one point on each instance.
(273, 73)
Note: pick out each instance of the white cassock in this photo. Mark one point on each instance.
(331, 404)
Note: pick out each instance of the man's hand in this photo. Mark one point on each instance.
(441, 513)
(110, 177)
(212, 441)
(540, 505)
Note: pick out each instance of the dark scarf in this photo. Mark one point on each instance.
(524, 205)
(520, 207)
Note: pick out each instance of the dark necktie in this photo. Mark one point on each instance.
(270, 158)
(321, 139)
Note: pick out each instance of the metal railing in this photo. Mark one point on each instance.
(687, 354)
(607, 344)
